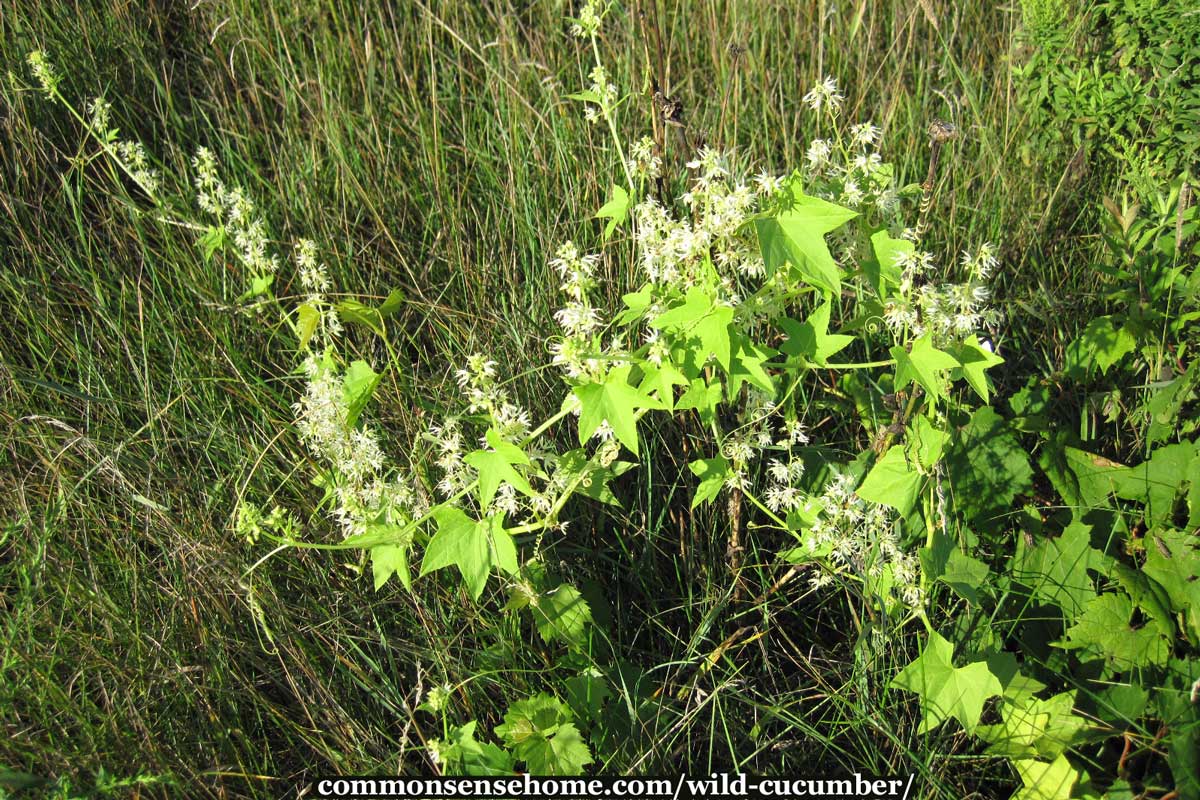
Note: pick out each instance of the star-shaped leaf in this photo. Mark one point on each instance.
(882, 271)
(472, 546)
(811, 338)
(712, 473)
(797, 236)
(975, 360)
(702, 396)
(616, 402)
(924, 364)
(496, 466)
(1105, 629)
(616, 210)
(562, 614)
(703, 319)
(945, 690)
(539, 731)
(1046, 781)
(746, 366)
(662, 380)
(892, 482)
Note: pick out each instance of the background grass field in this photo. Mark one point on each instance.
(428, 148)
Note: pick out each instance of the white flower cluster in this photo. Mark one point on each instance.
(44, 72)
(605, 92)
(849, 172)
(576, 353)
(861, 537)
(950, 310)
(133, 158)
(673, 252)
(824, 94)
(364, 494)
(483, 394)
(762, 430)
(643, 163)
(588, 22)
(237, 213)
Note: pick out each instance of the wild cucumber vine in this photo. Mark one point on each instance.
(758, 302)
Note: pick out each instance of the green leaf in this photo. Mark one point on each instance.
(586, 693)
(392, 558)
(1173, 562)
(616, 210)
(616, 402)
(1046, 781)
(925, 443)
(891, 482)
(562, 614)
(704, 397)
(358, 384)
(495, 466)
(472, 546)
(539, 731)
(975, 361)
(1105, 631)
(703, 319)
(463, 755)
(797, 236)
(662, 380)
(712, 473)
(595, 480)
(1056, 570)
(1099, 346)
(964, 575)
(883, 272)
(811, 339)
(636, 304)
(307, 318)
(746, 366)
(1158, 481)
(924, 364)
(945, 690)
(987, 468)
(214, 239)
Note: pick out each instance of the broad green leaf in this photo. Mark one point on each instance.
(1106, 632)
(926, 443)
(472, 546)
(987, 468)
(636, 304)
(883, 272)
(797, 236)
(562, 614)
(495, 466)
(891, 482)
(616, 210)
(1084, 480)
(712, 473)
(616, 402)
(307, 318)
(1056, 570)
(975, 362)
(586, 693)
(539, 732)
(392, 558)
(463, 755)
(811, 339)
(1158, 481)
(358, 384)
(924, 364)
(662, 380)
(211, 241)
(371, 316)
(1173, 562)
(746, 366)
(703, 319)
(964, 575)
(1046, 781)
(702, 396)
(1098, 347)
(1034, 728)
(945, 690)
(595, 480)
